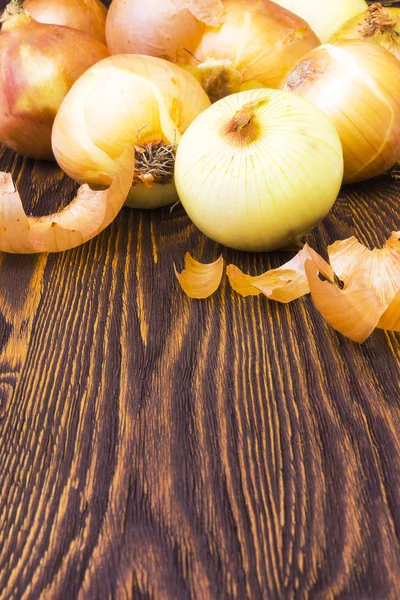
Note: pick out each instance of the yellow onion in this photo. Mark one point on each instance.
(258, 169)
(159, 28)
(250, 44)
(88, 16)
(325, 16)
(377, 24)
(127, 100)
(357, 86)
(39, 63)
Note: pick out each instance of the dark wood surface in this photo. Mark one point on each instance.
(154, 446)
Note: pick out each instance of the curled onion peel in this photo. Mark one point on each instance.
(199, 280)
(85, 217)
(379, 24)
(128, 100)
(160, 28)
(258, 169)
(357, 86)
(325, 16)
(256, 45)
(39, 64)
(88, 16)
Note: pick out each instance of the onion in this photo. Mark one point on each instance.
(256, 44)
(159, 28)
(258, 169)
(39, 63)
(128, 100)
(325, 16)
(357, 86)
(376, 24)
(88, 16)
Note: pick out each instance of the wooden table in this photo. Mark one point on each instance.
(158, 447)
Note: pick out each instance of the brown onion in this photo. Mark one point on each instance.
(357, 86)
(88, 16)
(39, 65)
(377, 24)
(252, 44)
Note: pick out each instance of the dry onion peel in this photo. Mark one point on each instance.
(199, 280)
(284, 284)
(86, 216)
(209, 12)
(390, 320)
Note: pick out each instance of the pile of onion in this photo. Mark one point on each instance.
(325, 16)
(377, 24)
(88, 16)
(128, 101)
(259, 169)
(357, 86)
(39, 64)
(250, 44)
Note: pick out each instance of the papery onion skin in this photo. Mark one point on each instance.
(125, 100)
(39, 64)
(357, 86)
(154, 27)
(256, 180)
(324, 16)
(377, 24)
(88, 16)
(257, 44)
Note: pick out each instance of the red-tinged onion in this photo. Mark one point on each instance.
(88, 16)
(357, 85)
(39, 64)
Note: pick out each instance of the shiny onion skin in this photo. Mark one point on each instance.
(88, 16)
(356, 84)
(39, 63)
(255, 46)
(325, 16)
(379, 24)
(259, 169)
(130, 101)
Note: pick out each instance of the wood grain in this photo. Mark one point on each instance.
(153, 446)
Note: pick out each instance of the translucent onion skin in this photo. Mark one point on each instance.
(357, 86)
(39, 64)
(125, 100)
(377, 24)
(258, 169)
(256, 45)
(88, 16)
(325, 16)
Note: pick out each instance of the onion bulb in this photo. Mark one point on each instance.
(258, 169)
(357, 86)
(88, 16)
(39, 63)
(160, 28)
(254, 45)
(127, 100)
(377, 24)
(325, 16)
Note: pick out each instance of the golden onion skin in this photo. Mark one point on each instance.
(357, 86)
(258, 169)
(377, 24)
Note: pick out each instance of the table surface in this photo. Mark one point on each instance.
(152, 446)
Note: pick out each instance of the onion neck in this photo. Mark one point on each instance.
(377, 19)
(14, 16)
(219, 78)
(244, 128)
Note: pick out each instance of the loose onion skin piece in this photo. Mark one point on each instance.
(84, 218)
(257, 169)
(39, 65)
(324, 16)
(127, 100)
(357, 86)
(88, 16)
(200, 280)
(378, 24)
